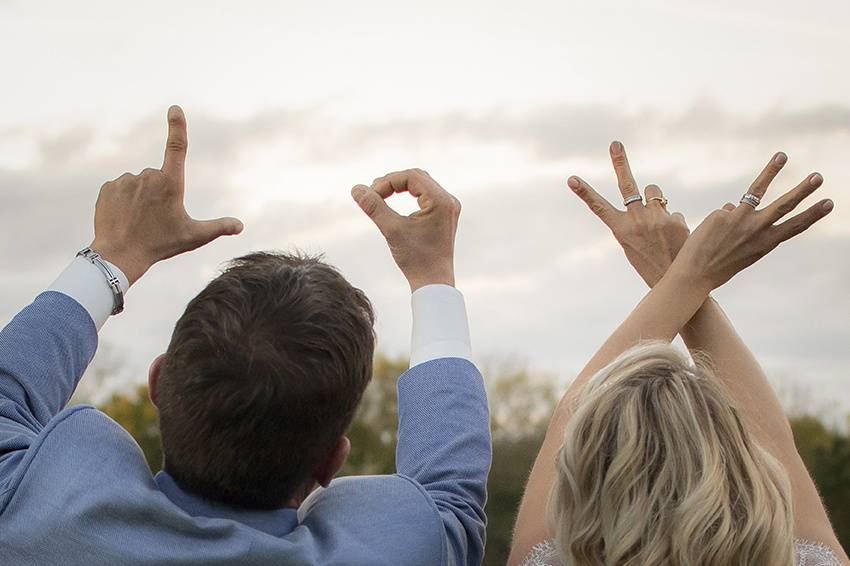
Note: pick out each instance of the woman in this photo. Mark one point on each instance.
(651, 459)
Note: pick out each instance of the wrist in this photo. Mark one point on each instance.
(688, 280)
(126, 260)
(431, 279)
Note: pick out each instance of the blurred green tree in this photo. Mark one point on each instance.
(826, 453)
(139, 417)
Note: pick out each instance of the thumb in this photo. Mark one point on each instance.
(205, 231)
(374, 206)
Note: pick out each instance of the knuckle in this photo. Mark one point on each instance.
(149, 174)
(627, 187)
(369, 204)
(177, 144)
(785, 207)
(598, 209)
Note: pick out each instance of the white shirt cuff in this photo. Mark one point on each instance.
(86, 284)
(440, 325)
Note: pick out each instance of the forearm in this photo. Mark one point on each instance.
(444, 434)
(46, 348)
(660, 316)
(711, 332)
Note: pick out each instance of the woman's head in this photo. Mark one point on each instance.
(656, 468)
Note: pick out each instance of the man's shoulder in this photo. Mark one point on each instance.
(78, 447)
(385, 510)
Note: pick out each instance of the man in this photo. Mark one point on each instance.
(256, 389)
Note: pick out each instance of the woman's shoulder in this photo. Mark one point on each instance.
(808, 554)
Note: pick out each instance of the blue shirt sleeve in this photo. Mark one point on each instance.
(44, 351)
(444, 445)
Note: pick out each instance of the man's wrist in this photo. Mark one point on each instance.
(440, 325)
(437, 277)
(85, 283)
(129, 263)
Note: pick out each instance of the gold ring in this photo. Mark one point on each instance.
(662, 200)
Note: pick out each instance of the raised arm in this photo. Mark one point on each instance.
(444, 434)
(651, 238)
(729, 240)
(44, 350)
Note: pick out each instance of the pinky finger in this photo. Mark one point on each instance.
(801, 222)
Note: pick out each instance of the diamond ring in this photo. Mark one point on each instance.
(634, 198)
(750, 199)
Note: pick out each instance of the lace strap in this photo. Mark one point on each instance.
(543, 554)
(811, 553)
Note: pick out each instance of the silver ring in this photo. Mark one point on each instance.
(662, 200)
(750, 199)
(634, 198)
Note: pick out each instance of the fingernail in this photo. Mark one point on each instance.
(816, 180)
(616, 148)
(358, 191)
(574, 183)
(827, 206)
(239, 226)
(780, 158)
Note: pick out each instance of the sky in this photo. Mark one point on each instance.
(289, 104)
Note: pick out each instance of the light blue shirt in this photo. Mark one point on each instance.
(75, 488)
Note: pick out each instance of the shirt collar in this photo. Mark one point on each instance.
(276, 522)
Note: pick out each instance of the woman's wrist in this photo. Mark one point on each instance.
(689, 279)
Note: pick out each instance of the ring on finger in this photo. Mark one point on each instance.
(661, 199)
(634, 198)
(750, 199)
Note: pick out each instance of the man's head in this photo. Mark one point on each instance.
(261, 379)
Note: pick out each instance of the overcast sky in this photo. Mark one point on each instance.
(289, 104)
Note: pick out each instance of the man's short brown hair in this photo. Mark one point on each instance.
(262, 376)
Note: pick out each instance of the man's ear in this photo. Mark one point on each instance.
(335, 460)
(153, 377)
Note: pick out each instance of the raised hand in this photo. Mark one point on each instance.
(422, 244)
(140, 219)
(734, 237)
(650, 236)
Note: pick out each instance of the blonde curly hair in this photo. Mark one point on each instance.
(657, 468)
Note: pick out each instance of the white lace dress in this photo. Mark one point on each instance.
(808, 554)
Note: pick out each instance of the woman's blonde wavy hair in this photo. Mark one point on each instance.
(657, 468)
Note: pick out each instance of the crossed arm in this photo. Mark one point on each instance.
(652, 239)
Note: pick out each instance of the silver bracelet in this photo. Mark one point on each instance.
(111, 279)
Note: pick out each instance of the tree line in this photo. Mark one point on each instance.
(521, 404)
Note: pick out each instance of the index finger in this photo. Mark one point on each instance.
(414, 181)
(598, 204)
(176, 144)
(625, 179)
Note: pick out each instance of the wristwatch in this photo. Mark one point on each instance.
(111, 279)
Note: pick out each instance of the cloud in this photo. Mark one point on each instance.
(543, 278)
